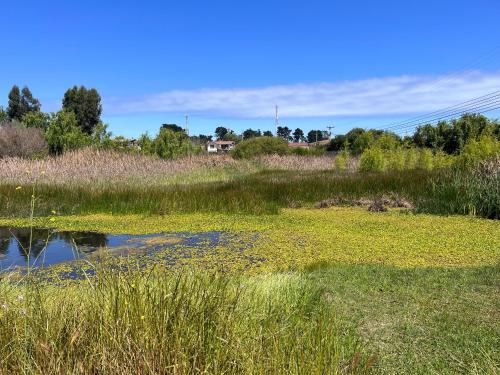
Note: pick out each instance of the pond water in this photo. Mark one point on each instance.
(49, 247)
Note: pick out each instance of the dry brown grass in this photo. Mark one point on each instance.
(91, 166)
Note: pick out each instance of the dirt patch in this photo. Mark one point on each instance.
(375, 205)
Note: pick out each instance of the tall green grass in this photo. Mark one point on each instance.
(133, 323)
(264, 192)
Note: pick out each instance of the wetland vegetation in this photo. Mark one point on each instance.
(380, 258)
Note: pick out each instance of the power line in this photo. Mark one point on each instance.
(482, 109)
(468, 103)
(472, 105)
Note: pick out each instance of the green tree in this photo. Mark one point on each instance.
(173, 127)
(38, 120)
(220, 132)
(86, 104)
(170, 145)
(64, 134)
(268, 133)
(250, 133)
(298, 135)
(15, 109)
(21, 102)
(315, 136)
(4, 117)
(284, 132)
(146, 144)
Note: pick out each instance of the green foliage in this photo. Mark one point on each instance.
(250, 133)
(86, 104)
(260, 146)
(475, 151)
(471, 190)
(170, 145)
(298, 135)
(21, 102)
(64, 134)
(284, 132)
(341, 160)
(189, 323)
(372, 160)
(220, 132)
(395, 159)
(316, 136)
(146, 144)
(4, 117)
(425, 160)
(311, 151)
(38, 120)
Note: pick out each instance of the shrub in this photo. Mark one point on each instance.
(475, 152)
(395, 159)
(425, 161)
(171, 145)
(22, 142)
(63, 133)
(372, 160)
(341, 160)
(260, 146)
(411, 158)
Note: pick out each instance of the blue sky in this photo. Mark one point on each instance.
(346, 63)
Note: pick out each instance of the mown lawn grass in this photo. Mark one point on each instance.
(420, 320)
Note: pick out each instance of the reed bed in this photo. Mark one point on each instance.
(261, 193)
(88, 166)
(131, 323)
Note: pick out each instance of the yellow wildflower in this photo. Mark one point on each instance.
(19, 188)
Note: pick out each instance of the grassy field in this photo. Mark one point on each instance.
(299, 290)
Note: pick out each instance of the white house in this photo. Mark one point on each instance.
(220, 146)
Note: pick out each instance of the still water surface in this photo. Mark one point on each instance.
(49, 247)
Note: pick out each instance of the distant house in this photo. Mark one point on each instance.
(298, 145)
(220, 146)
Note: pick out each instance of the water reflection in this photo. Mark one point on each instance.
(49, 247)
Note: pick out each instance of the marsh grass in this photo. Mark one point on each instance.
(259, 193)
(133, 323)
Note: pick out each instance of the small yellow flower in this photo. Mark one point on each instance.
(52, 219)
(19, 188)
(142, 317)
(133, 285)
(53, 212)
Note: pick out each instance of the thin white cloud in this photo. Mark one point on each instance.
(369, 97)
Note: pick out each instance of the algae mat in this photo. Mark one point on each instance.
(299, 237)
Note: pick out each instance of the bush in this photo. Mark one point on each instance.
(395, 159)
(260, 146)
(171, 145)
(425, 160)
(341, 160)
(475, 152)
(22, 142)
(372, 160)
(63, 133)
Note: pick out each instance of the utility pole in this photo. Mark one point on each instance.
(330, 130)
(276, 120)
(187, 123)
